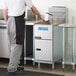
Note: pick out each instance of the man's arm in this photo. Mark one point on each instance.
(34, 10)
(5, 14)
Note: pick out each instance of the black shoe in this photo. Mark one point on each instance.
(16, 73)
(20, 68)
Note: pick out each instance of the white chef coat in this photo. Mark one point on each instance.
(16, 7)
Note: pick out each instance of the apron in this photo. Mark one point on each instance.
(20, 29)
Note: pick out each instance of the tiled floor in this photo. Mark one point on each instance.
(46, 68)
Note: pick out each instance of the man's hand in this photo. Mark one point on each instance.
(34, 10)
(41, 17)
(5, 15)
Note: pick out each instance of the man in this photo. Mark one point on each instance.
(13, 12)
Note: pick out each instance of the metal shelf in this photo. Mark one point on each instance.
(72, 59)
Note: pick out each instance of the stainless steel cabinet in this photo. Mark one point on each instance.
(4, 52)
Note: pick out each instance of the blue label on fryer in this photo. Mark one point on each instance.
(43, 28)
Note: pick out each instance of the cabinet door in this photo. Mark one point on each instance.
(43, 50)
(4, 52)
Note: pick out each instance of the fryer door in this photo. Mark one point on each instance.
(43, 50)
